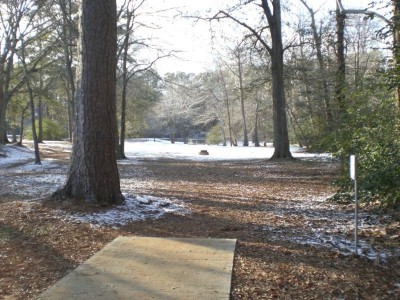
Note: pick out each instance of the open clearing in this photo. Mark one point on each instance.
(292, 243)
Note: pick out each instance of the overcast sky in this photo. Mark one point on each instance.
(194, 39)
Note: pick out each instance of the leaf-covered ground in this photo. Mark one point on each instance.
(276, 210)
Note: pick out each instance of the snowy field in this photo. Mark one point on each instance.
(164, 149)
(136, 149)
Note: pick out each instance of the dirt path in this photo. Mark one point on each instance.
(289, 238)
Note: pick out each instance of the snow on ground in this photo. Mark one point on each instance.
(164, 149)
(135, 208)
(10, 155)
(324, 226)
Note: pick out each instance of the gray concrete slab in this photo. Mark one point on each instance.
(151, 268)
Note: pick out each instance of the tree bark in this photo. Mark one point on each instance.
(228, 110)
(125, 57)
(21, 132)
(341, 60)
(281, 136)
(33, 123)
(396, 46)
(31, 104)
(93, 175)
(40, 109)
(67, 40)
(256, 140)
(242, 96)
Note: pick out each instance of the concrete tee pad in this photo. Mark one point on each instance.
(152, 268)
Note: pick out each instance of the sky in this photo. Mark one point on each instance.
(193, 39)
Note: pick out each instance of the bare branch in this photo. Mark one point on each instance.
(361, 11)
(369, 13)
(252, 30)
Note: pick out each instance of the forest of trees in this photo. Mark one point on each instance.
(328, 83)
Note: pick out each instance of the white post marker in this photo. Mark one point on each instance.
(353, 176)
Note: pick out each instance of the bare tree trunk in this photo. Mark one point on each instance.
(396, 46)
(121, 146)
(256, 140)
(31, 104)
(93, 175)
(70, 116)
(40, 109)
(242, 96)
(341, 61)
(125, 56)
(3, 128)
(322, 69)
(228, 110)
(21, 132)
(281, 136)
(222, 129)
(67, 40)
(34, 135)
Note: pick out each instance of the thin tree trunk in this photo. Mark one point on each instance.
(3, 109)
(221, 126)
(256, 138)
(67, 42)
(321, 65)
(70, 117)
(341, 61)
(242, 96)
(396, 46)
(21, 132)
(228, 111)
(40, 109)
(31, 104)
(34, 135)
(125, 56)
(121, 150)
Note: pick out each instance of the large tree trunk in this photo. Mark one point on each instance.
(281, 136)
(93, 175)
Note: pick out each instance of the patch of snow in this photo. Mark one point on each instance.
(32, 186)
(15, 154)
(135, 208)
(326, 226)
